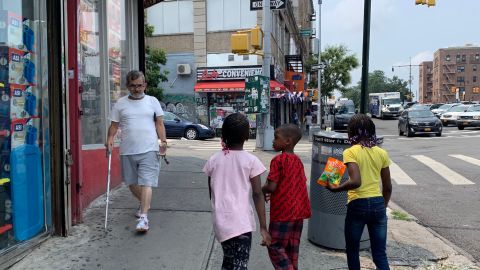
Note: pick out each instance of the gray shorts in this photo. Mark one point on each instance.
(141, 169)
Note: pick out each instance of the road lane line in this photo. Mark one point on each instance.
(399, 176)
(471, 160)
(442, 170)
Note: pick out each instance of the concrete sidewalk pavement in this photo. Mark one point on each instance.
(181, 236)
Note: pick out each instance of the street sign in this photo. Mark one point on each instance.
(274, 4)
(306, 32)
(257, 93)
(318, 66)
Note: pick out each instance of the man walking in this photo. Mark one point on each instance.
(140, 119)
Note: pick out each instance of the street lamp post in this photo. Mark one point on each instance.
(365, 55)
(267, 29)
(319, 74)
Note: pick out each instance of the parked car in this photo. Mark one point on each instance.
(438, 112)
(177, 126)
(413, 122)
(450, 116)
(408, 105)
(436, 106)
(470, 118)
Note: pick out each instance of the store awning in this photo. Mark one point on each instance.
(233, 86)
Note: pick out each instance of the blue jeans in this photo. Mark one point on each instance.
(370, 212)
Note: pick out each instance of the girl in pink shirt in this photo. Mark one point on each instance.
(234, 174)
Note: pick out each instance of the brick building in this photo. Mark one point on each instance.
(425, 81)
(455, 75)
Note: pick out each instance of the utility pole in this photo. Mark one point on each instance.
(365, 55)
(319, 74)
(267, 30)
(410, 75)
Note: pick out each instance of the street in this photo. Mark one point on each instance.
(437, 179)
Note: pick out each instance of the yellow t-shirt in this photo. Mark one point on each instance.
(370, 161)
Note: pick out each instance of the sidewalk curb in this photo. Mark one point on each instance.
(208, 254)
(394, 206)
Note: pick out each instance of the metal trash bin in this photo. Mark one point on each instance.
(327, 223)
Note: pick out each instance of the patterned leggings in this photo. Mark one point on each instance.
(236, 252)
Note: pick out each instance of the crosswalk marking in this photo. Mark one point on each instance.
(471, 160)
(442, 170)
(399, 176)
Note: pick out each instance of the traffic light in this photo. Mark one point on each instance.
(247, 41)
(240, 43)
(429, 3)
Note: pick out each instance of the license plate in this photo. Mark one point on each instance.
(444, 120)
(428, 129)
(465, 123)
(345, 125)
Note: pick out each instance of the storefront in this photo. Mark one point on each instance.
(220, 92)
(25, 158)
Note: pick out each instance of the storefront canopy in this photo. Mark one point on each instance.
(232, 86)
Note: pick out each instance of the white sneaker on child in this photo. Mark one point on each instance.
(142, 225)
(138, 213)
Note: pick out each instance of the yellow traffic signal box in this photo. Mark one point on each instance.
(240, 43)
(256, 38)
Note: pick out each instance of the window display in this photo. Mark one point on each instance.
(23, 121)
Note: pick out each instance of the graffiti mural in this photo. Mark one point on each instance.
(181, 105)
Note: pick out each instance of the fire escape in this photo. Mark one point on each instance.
(293, 63)
(448, 81)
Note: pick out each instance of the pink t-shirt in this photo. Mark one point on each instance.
(230, 175)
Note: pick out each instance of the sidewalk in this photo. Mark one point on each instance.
(181, 236)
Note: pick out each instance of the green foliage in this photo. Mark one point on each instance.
(377, 83)
(154, 58)
(338, 65)
(399, 215)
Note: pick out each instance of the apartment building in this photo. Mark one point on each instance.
(206, 81)
(425, 82)
(456, 75)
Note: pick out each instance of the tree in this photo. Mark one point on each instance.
(154, 59)
(338, 65)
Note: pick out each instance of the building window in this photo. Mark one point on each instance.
(171, 17)
(474, 79)
(447, 58)
(477, 56)
(231, 57)
(230, 15)
(460, 79)
(461, 69)
(458, 57)
(246, 57)
(464, 58)
(474, 67)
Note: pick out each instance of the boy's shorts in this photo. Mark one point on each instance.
(141, 169)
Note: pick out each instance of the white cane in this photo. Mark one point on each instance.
(108, 188)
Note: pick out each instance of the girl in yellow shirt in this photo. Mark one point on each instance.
(367, 164)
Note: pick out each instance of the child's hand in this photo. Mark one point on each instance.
(267, 196)
(266, 238)
(329, 186)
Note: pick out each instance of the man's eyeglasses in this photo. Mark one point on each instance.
(136, 86)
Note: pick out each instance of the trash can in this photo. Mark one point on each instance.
(329, 209)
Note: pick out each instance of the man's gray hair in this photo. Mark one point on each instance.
(133, 75)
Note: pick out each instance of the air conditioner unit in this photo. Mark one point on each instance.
(184, 69)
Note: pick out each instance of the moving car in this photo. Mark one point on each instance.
(450, 116)
(413, 122)
(344, 110)
(418, 106)
(176, 126)
(470, 118)
(438, 112)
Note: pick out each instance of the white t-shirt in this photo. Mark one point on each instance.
(308, 120)
(138, 134)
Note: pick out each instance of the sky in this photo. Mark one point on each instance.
(399, 30)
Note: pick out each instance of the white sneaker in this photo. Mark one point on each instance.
(142, 225)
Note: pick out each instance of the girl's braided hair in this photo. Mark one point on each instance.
(361, 130)
(235, 129)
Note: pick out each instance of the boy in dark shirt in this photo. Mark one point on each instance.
(286, 188)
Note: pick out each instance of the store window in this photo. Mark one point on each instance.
(24, 130)
(105, 57)
(89, 74)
